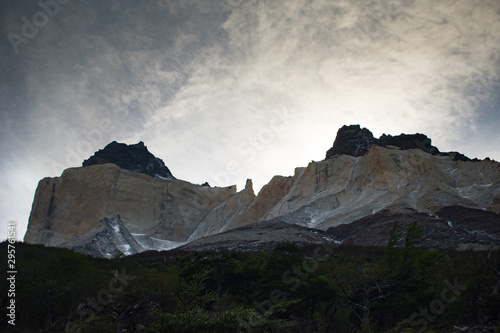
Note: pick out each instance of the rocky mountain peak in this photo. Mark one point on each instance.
(134, 158)
(351, 140)
(356, 141)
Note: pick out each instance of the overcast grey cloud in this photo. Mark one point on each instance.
(225, 90)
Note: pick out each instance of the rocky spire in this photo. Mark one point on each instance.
(135, 158)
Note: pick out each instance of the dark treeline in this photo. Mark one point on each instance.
(401, 288)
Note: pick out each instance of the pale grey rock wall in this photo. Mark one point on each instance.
(345, 188)
(74, 204)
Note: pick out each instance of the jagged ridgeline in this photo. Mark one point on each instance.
(124, 200)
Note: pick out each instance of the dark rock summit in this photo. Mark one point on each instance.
(356, 141)
(408, 141)
(351, 140)
(135, 158)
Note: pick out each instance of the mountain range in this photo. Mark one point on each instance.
(123, 200)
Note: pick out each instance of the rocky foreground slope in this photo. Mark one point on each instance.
(111, 208)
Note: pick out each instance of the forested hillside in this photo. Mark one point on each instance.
(401, 288)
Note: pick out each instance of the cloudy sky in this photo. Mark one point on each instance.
(225, 90)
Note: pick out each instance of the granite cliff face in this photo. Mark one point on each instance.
(346, 188)
(78, 204)
(114, 206)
